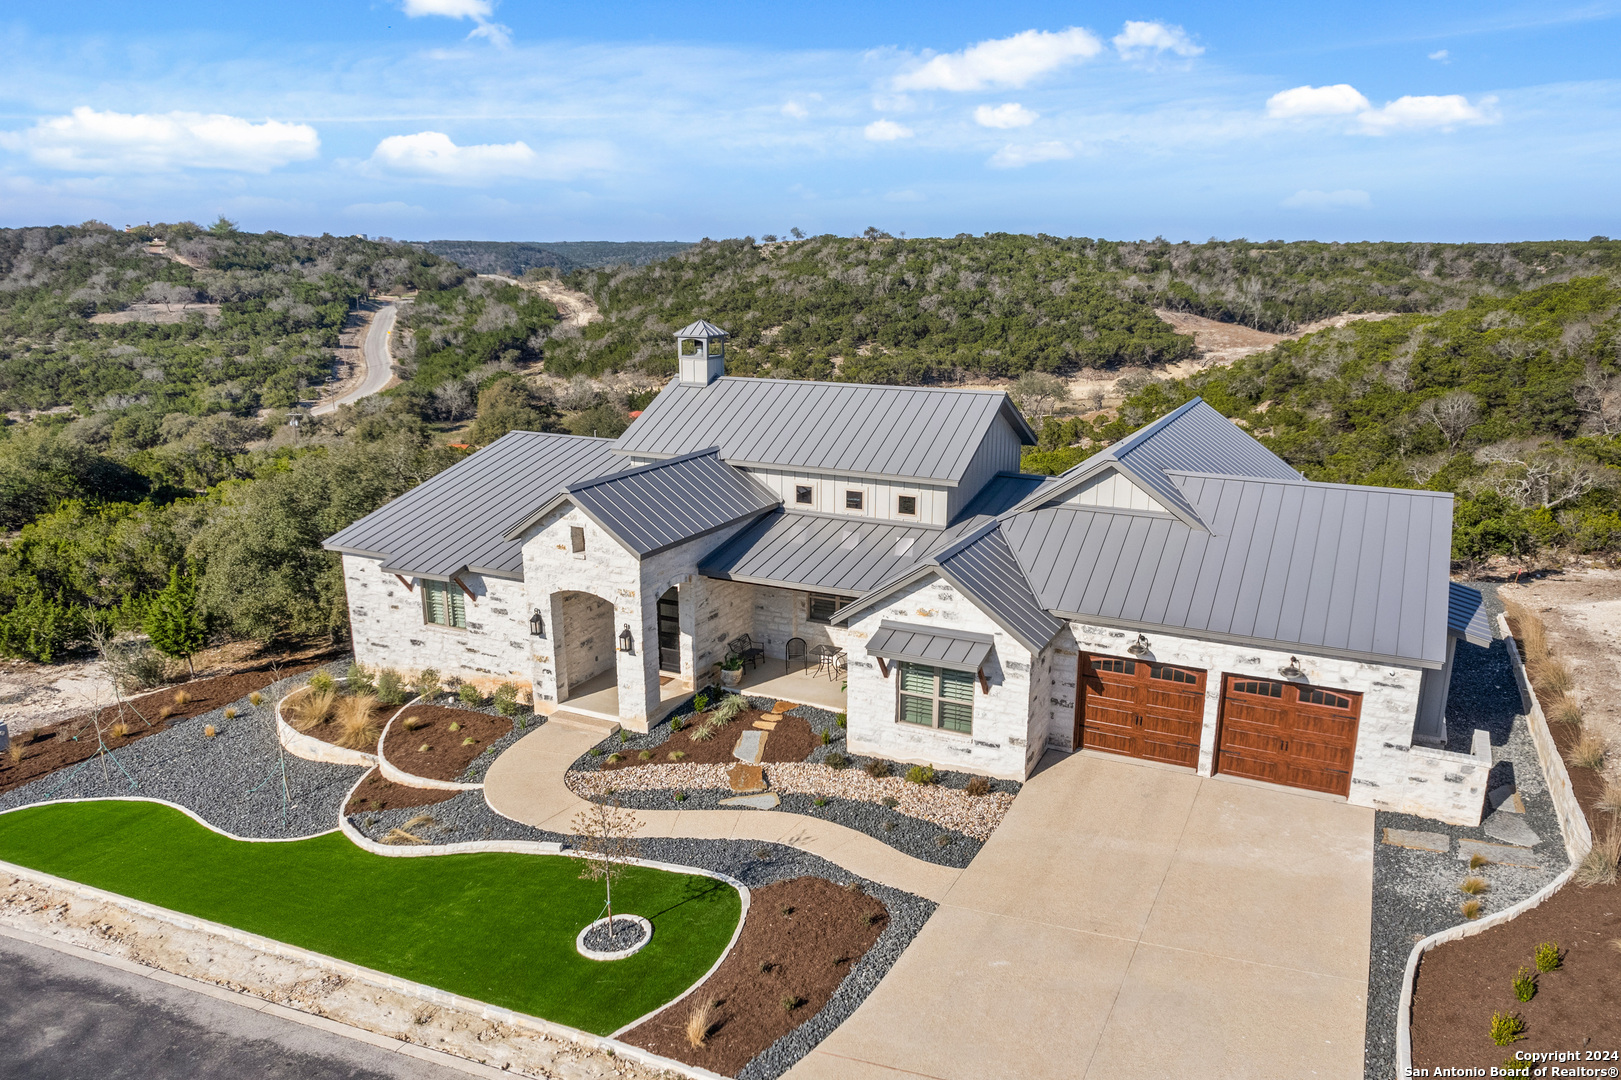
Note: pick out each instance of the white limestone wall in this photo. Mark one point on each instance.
(1003, 719)
(780, 614)
(1385, 773)
(388, 629)
(588, 628)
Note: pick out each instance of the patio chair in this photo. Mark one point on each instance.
(825, 656)
(795, 650)
(744, 648)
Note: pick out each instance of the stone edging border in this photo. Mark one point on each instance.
(310, 748)
(619, 954)
(397, 775)
(188, 811)
(1572, 823)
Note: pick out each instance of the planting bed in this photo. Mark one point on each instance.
(332, 729)
(800, 939)
(449, 753)
(68, 742)
(793, 740)
(375, 794)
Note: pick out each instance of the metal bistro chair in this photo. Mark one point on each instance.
(744, 648)
(826, 657)
(794, 650)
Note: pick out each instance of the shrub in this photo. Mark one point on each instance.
(359, 680)
(181, 697)
(645, 755)
(1507, 1028)
(836, 760)
(827, 738)
(14, 751)
(427, 684)
(840, 720)
(700, 703)
(943, 840)
(454, 726)
(414, 721)
(1525, 984)
(876, 769)
(470, 694)
(506, 702)
(818, 801)
(615, 759)
(677, 755)
(681, 796)
(676, 723)
(890, 801)
(311, 708)
(390, 687)
(138, 666)
(323, 681)
(360, 728)
(732, 663)
(1474, 886)
(1589, 752)
(790, 1002)
(921, 774)
(699, 1021)
(1547, 956)
(624, 736)
(1470, 909)
(978, 786)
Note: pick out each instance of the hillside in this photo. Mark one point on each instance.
(515, 258)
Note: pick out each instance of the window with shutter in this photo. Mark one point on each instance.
(936, 697)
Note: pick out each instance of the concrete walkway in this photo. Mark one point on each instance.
(526, 784)
(1129, 921)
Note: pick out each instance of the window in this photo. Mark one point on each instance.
(1171, 674)
(937, 697)
(852, 500)
(1122, 667)
(1323, 697)
(802, 494)
(822, 607)
(1259, 687)
(576, 539)
(443, 604)
(906, 504)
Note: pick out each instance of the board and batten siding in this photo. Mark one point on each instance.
(998, 452)
(879, 497)
(1111, 489)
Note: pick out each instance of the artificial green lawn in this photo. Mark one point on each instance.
(496, 927)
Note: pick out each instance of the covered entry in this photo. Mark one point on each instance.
(1288, 733)
(1140, 709)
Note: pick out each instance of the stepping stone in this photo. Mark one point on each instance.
(766, 725)
(750, 747)
(768, 801)
(1511, 829)
(773, 717)
(783, 706)
(1419, 841)
(1502, 854)
(1506, 799)
(745, 778)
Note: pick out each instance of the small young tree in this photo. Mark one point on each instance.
(607, 836)
(174, 622)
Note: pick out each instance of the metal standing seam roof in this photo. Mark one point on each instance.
(1337, 569)
(1003, 492)
(457, 521)
(703, 328)
(651, 508)
(930, 645)
(1192, 438)
(896, 432)
(1466, 615)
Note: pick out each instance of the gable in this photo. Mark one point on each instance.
(1113, 489)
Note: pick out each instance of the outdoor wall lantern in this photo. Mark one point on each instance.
(537, 628)
(1293, 671)
(1138, 647)
(626, 642)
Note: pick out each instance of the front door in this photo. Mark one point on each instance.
(670, 632)
(1140, 709)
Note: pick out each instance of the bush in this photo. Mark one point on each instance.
(323, 681)
(827, 738)
(506, 699)
(1507, 1028)
(1548, 958)
(876, 768)
(978, 786)
(840, 720)
(836, 760)
(677, 723)
(427, 684)
(921, 774)
(470, 694)
(890, 801)
(390, 687)
(359, 680)
(700, 703)
(1525, 984)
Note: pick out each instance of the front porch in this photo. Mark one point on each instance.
(598, 696)
(772, 678)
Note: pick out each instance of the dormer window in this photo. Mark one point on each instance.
(803, 494)
(906, 504)
(853, 500)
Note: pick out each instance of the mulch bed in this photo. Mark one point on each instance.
(375, 794)
(68, 742)
(793, 740)
(809, 950)
(330, 731)
(1460, 984)
(449, 752)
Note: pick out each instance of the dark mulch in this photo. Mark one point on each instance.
(68, 742)
(330, 731)
(375, 794)
(793, 740)
(449, 752)
(809, 950)
(1460, 984)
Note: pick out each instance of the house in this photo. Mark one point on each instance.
(1183, 596)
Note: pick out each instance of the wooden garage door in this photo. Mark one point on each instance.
(1286, 733)
(1141, 709)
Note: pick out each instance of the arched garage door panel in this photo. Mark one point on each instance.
(1140, 709)
(1286, 733)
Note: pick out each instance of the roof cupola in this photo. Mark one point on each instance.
(701, 351)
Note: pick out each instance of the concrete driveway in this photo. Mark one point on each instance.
(1133, 921)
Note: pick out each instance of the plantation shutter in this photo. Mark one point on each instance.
(458, 609)
(917, 694)
(433, 602)
(957, 700)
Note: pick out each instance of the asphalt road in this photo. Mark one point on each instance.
(66, 1018)
(379, 364)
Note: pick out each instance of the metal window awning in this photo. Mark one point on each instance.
(958, 649)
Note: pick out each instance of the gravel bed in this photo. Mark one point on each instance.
(215, 777)
(626, 933)
(466, 816)
(1415, 893)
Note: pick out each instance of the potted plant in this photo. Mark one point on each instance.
(731, 671)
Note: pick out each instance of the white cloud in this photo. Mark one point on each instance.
(886, 131)
(1011, 61)
(480, 11)
(432, 154)
(1139, 39)
(89, 141)
(1441, 55)
(1344, 199)
(1010, 115)
(1017, 156)
(1428, 111)
(1340, 99)
(795, 110)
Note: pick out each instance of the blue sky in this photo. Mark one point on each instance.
(512, 119)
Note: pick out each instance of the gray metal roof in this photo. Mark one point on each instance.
(1194, 438)
(1466, 615)
(1003, 492)
(652, 508)
(900, 432)
(457, 521)
(930, 645)
(703, 328)
(824, 553)
(1339, 570)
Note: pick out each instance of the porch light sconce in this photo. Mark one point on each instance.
(1138, 647)
(1293, 671)
(626, 642)
(537, 628)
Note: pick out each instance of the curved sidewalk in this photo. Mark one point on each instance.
(526, 784)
